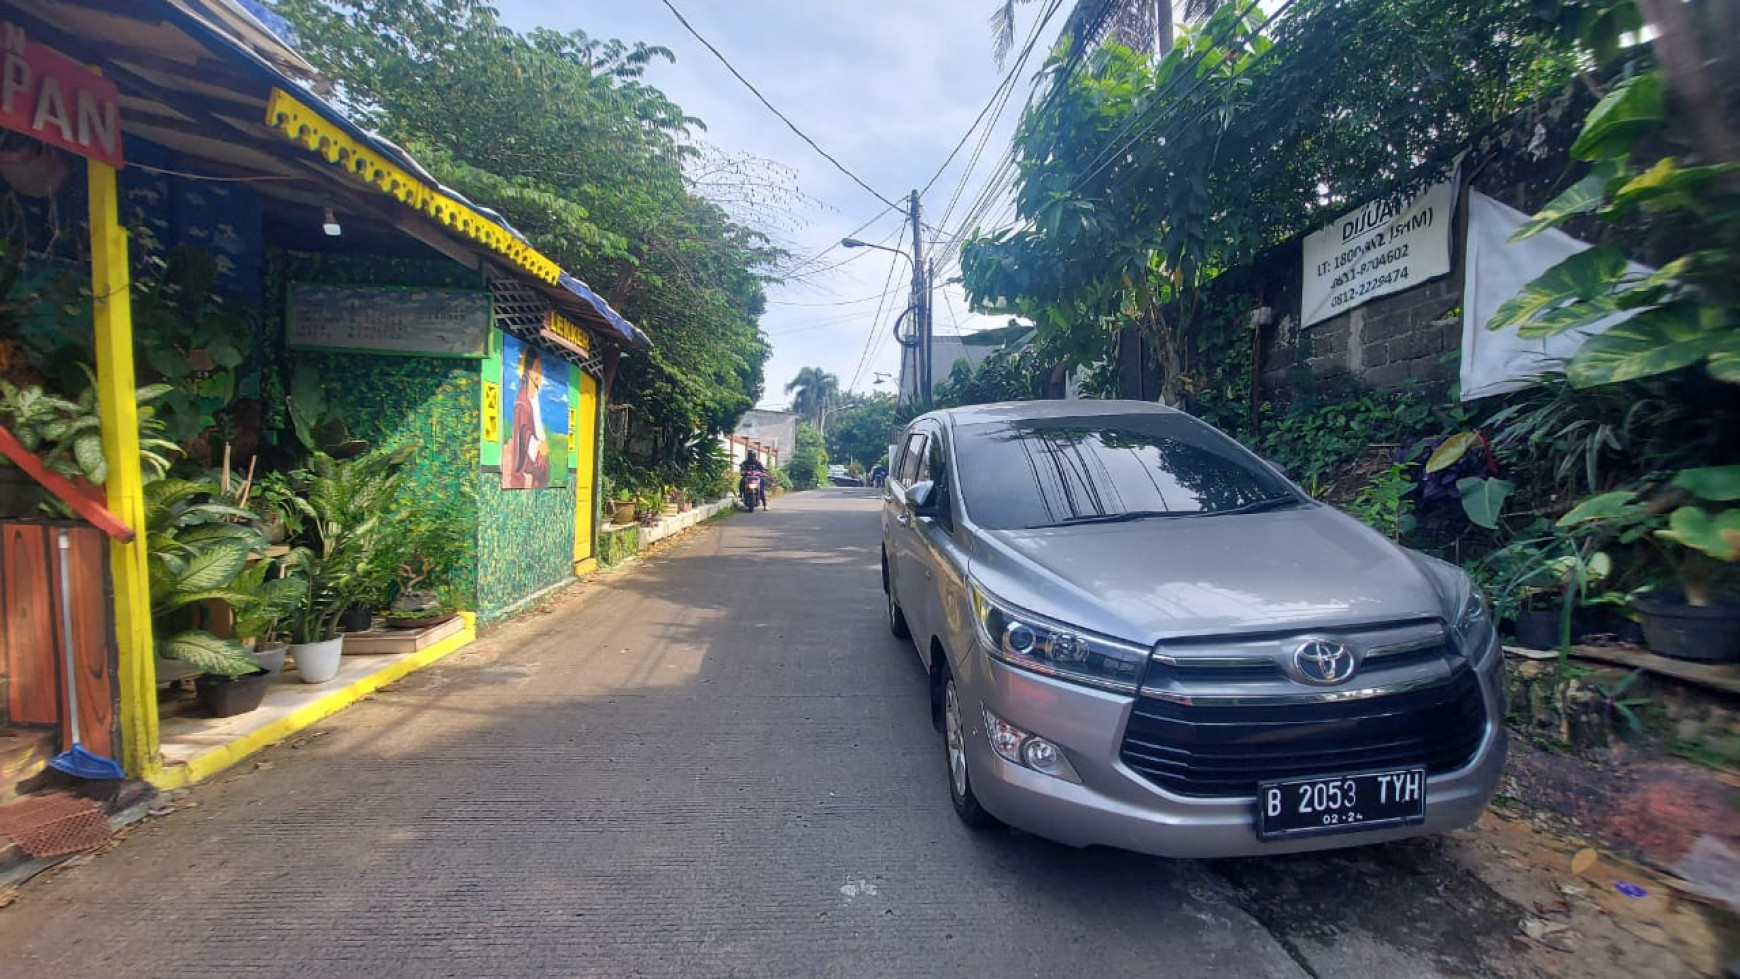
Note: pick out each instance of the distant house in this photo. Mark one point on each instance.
(773, 434)
(975, 348)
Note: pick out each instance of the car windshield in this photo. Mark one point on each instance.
(1059, 471)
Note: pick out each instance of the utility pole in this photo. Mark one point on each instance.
(920, 304)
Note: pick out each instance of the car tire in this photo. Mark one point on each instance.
(896, 618)
(955, 735)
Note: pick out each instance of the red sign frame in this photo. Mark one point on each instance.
(48, 96)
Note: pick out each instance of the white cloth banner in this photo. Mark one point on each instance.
(1497, 269)
(1382, 248)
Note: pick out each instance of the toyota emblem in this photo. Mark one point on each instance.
(1323, 662)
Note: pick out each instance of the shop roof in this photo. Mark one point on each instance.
(211, 81)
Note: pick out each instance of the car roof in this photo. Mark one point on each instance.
(1008, 411)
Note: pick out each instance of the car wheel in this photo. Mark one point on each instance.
(955, 748)
(896, 618)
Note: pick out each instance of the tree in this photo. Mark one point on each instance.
(1140, 180)
(862, 431)
(1141, 25)
(816, 389)
(562, 135)
(808, 466)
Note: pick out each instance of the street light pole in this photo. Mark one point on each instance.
(918, 307)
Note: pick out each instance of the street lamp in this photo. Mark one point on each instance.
(855, 243)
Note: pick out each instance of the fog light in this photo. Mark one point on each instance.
(1039, 754)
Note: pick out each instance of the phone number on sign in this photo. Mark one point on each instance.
(1368, 287)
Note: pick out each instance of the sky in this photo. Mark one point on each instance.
(888, 88)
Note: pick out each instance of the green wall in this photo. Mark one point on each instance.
(525, 543)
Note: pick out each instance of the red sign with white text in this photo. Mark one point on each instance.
(48, 95)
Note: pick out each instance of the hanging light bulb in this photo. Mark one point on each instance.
(332, 228)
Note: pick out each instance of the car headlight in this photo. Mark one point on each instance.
(1474, 626)
(1036, 643)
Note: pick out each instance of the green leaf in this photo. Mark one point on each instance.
(1665, 186)
(1654, 341)
(1634, 107)
(1717, 535)
(213, 565)
(1604, 507)
(1719, 483)
(1589, 274)
(1453, 449)
(1582, 197)
(1724, 365)
(207, 653)
(1483, 499)
(88, 450)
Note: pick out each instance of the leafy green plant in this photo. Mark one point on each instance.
(1692, 522)
(1383, 503)
(197, 549)
(1623, 707)
(187, 339)
(344, 551)
(67, 434)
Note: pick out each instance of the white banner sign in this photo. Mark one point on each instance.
(1382, 248)
(1498, 269)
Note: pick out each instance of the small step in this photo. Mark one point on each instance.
(24, 755)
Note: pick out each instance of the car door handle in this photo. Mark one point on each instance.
(927, 574)
(902, 519)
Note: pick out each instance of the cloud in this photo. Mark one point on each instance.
(887, 87)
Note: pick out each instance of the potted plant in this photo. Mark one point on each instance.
(272, 596)
(417, 606)
(197, 551)
(344, 504)
(1539, 583)
(1694, 526)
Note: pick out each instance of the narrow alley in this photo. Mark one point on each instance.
(726, 769)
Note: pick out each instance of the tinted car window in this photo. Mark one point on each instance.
(1054, 471)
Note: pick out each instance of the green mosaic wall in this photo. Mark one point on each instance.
(525, 542)
(390, 399)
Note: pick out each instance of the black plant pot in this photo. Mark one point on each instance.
(1538, 628)
(227, 696)
(357, 618)
(1703, 633)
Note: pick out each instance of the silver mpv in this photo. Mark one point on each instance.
(1141, 635)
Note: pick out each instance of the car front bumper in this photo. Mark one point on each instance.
(1114, 806)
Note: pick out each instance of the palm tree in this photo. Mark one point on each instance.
(815, 389)
(1141, 25)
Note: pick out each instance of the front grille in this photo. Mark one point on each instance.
(1221, 751)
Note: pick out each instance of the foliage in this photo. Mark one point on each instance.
(1661, 146)
(561, 134)
(808, 466)
(1122, 227)
(186, 339)
(67, 434)
(344, 553)
(196, 549)
(1382, 504)
(864, 429)
(1011, 374)
(1315, 438)
(1692, 521)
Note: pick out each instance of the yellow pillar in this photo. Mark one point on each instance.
(119, 409)
(584, 442)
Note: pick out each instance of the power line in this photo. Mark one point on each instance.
(875, 327)
(770, 107)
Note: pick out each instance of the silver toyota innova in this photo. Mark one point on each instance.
(1141, 635)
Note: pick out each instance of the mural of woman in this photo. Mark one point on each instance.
(526, 456)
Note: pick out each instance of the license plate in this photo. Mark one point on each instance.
(1341, 803)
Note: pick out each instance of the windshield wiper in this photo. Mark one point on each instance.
(1256, 506)
(1124, 516)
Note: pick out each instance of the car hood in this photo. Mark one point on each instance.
(1152, 579)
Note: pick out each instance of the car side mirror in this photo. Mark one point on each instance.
(923, 498)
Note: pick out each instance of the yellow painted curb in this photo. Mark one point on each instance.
(204, 766)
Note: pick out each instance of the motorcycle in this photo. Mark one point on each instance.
(752, 491)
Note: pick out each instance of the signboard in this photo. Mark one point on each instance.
(47, 95)
(566, 334)
(384, 320)
(1382, 248)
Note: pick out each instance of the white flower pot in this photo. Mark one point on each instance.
(317, 662)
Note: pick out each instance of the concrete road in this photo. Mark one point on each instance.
(715, 763)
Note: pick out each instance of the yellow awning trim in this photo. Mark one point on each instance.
(310, 129)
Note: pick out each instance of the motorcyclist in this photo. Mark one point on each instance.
(752, 463)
